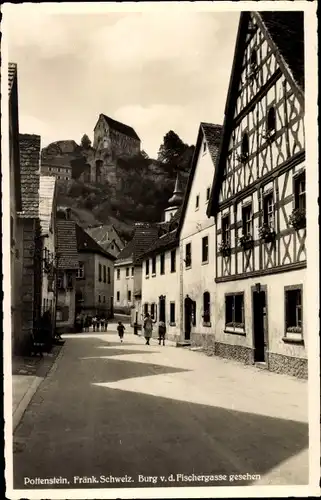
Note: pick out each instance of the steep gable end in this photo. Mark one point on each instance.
(193, 217)
(264, 75)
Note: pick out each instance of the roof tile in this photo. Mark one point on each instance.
(67, 244)
(46, 201)
(121, 127)
(30, 174)
(85, 243)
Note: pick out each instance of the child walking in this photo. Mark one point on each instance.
(121, 330)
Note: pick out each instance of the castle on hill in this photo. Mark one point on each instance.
(96, 164)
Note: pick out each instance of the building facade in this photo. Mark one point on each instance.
(197, 244)
(258, 199)
(128, 271)
(67, 266)
(94, 277)
(31, 277)
(57, 170)
(47, 215)
(16, 234)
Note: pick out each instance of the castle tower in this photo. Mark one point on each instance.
(175, 201)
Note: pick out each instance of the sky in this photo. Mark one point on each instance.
(154, 71)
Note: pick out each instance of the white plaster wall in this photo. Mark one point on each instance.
(166, 284)
(275, 312)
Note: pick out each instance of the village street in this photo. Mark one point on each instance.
(110, 409)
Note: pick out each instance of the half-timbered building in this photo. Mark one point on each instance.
(258, 198)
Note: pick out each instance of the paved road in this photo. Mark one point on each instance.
(129, 410)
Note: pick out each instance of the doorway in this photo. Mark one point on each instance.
(188, 314)
(162, 308)
(259, 325)
(111, 307)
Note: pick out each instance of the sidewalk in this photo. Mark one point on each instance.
(27, 375)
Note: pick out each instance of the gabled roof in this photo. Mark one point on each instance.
(144, 235)
(168, 236)
(46, 202)
(286, 30)
(67, 245)
(212, 134)
(30, 174)
(102, 234)
(282, 30)
(86, 243)
(120, 127)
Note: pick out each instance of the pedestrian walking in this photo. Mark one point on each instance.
(148, 328)
(161, 332)
(98, 323)
(94, 322)
(121, 329)
(87, 323)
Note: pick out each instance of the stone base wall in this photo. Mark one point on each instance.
(278, 363)
(238, 353)
(297, 367)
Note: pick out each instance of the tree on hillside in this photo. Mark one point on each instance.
(85, 141)
(172, 148)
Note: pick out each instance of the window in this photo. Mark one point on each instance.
(173, 261)
(188, 255)
(69, 280)
(104, 274)
(293, 310)
(205, 249)
(129, 295)
(234, 310)
(112, 246)
(133, 271)
(271, 121)
(245, 147)
(127, 272)
(145, 309)
(99, 271)
(118, 274)
(197, 202)
(194, 312)
(204, 147)
(104, 298)
(253, 60)
(299, 192)
(247, 219)
(147, 267)
(268, 210)
(99, 298)
(226, 233)
(11, 231)
(154, 265)
(118, 296)
(172, 313)
(206, 307)
(60, 280)
(152, 311)
(108, 275)
(162, 263)
(208, 192)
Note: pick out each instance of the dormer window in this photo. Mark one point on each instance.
(271, 121)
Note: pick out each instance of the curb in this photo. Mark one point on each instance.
(23, 405)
